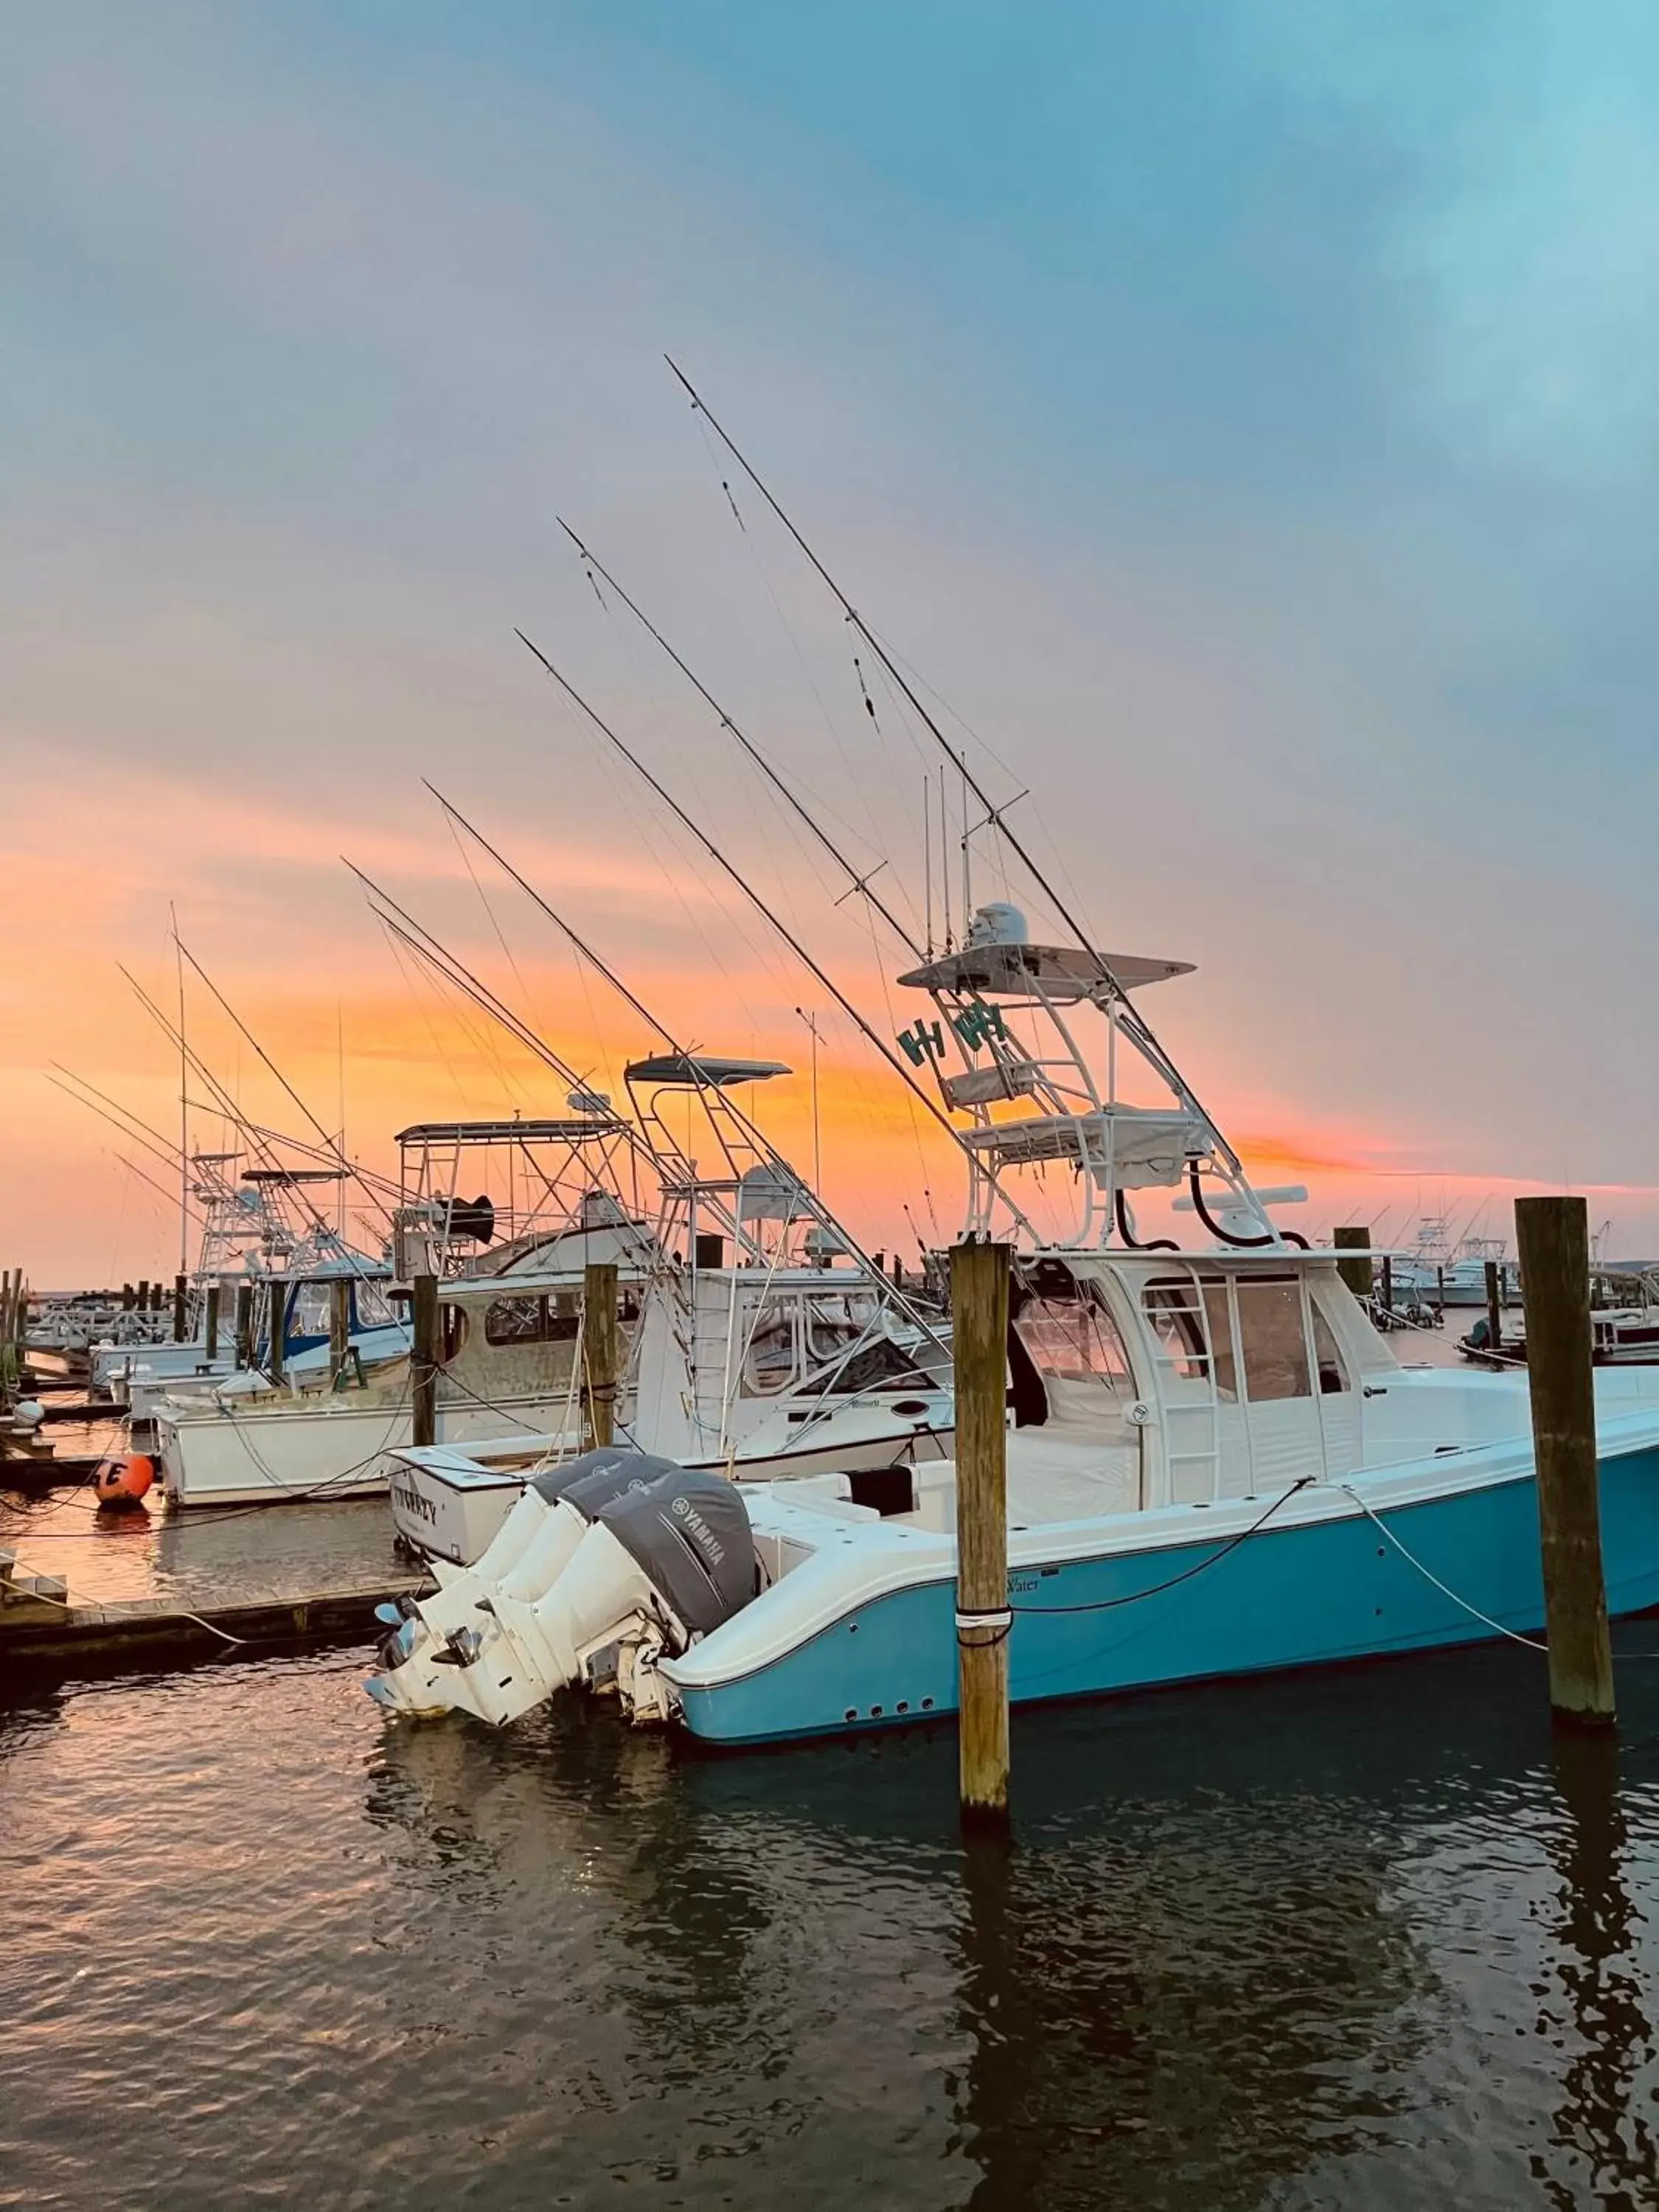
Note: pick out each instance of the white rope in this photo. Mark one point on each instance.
(1474, 1611)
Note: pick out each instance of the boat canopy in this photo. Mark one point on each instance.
(571, 1132)
(1046, 971)
(702, 1071)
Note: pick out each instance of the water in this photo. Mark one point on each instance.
(1361, 1939)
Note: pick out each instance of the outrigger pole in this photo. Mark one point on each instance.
(856, 882)
(445, 963)
(1130, 1016)
(331, 1144)
(777, 923)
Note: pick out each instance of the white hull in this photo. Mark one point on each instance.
(451, 1504)
(331, 1448)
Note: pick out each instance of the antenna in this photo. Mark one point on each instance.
(184, 1104)
(811, 1022)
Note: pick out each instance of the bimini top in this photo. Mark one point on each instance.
(1048, 971)
(701, 1072)
(507, 1133)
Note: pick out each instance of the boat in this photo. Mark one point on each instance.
(766, 1344)
(1217, 1466)
(1438, 1273)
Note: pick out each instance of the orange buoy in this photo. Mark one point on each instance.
(123, 1482)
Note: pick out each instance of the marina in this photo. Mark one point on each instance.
(811, 1393)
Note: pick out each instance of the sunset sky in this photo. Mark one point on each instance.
(1242, 413)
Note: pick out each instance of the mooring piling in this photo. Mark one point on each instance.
(1354, 1237)
(979, 1315)
(210, 1321)
(423, 1360)
(339, 1328)
(598, 1341)
(1553, 1238)
(244, 1326)
(180, 1304)
(1495, 1299)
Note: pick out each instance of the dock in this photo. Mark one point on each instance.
(41, 1625)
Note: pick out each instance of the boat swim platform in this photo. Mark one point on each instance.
(43, 1627)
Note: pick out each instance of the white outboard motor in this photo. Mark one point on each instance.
(655, 1569)
(528, 1553)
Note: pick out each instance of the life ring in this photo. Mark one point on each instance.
(125, 1482)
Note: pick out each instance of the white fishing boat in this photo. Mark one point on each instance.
(1438, 1272)
(507, 1360)
(766, 1344)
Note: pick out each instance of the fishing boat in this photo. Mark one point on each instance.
(1438, 1272)
(765, 1344)
(320, 1427)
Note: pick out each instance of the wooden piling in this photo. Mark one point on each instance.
(1354, 1237)
(144, 1294)
(1387, 1264)
(211, 1320)
(339, 1326)
(1553, 1238)
(244, 1326)
(1495, 1302)
(180, 1306)
(979, 1314)
(129, 1297)
(423, 1361)
(599, 1352)
(277, 1359)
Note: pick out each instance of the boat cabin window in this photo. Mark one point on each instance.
(1073, 1341)
(1271, 1333)
(1333, 1374)
(837, 1322)
(769, 1361)
(1193, 1324)
(1176, 1317)
(552, 1317)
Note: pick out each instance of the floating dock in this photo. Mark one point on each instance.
(41, 1625)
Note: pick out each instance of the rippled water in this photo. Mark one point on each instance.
(1359, 1939)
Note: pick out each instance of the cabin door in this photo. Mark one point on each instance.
(1277, 1389)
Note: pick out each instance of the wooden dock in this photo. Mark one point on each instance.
(42, 1626)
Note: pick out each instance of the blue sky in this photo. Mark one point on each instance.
(1244, 411)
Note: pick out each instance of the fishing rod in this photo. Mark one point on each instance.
(229, 1107)
(161, 1191)
(1129, 1015)
(121, 1118)
(855, 881)
(454, 971)
(330, 1143)
(761, 1144)
(781, 928)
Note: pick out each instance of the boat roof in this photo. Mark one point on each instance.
(702, 1071)
(570, 1129)
(1054, 971)
(296, 1175)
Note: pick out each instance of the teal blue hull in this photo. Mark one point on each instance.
(1306, 1597)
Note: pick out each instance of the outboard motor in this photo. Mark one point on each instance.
(523, 1558)
(655, 1569)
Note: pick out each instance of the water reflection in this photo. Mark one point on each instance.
(1369, 1939)
(1598, 2122)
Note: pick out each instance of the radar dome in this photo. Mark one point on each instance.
(997, 924)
